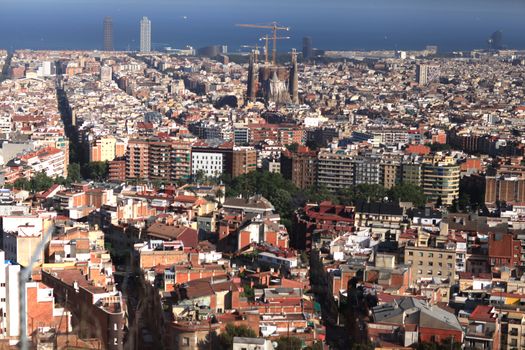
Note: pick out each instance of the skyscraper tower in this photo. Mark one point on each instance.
(108, 33)
(308, 51)
(294, 79)
(145, 34)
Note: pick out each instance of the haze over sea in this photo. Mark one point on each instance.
(332, 24)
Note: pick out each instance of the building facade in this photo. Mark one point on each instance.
(145, 35)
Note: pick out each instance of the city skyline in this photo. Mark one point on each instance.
(404, 25)
(279, 174)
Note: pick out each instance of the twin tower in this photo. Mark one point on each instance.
(273, 83)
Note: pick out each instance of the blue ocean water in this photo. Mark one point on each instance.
(332, 24)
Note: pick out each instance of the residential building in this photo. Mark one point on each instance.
(440, 178)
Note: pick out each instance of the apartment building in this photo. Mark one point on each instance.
(430, 258)
(440, 178)
(335, 170)
(244, 160)
(300, 167)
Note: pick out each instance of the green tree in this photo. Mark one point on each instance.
(289, 343)
(97, 171)
(231, 331)
(248, 292)
(22, 184)
(370, 192)
(282, 193)
(73, 172)
(60, 180)
(318, 194)
(199, 177)
(41, 182)
(439, 147)
(407, 192)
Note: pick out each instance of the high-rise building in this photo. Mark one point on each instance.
(308, 51)
(496, 40)
(300, 167)
(145, 35)
(157, 159)
(335, 170)
(440, 178)
(108, 34)
(426, 73)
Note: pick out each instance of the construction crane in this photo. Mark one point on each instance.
(266, 38)
(255, 50)
(275, 28)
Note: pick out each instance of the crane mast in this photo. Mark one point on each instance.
(274, 28)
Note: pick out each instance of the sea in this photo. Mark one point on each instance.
(452, 25)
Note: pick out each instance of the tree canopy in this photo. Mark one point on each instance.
(231, 331)
(97, 171)
(407, 192)
(39, 182)
(286, 197)
(289, 343)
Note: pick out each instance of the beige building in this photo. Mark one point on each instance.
(513, 330)
(428, 261)
(22, 234)
(244, 160)
(103, 149)
(440, 178)
(390, 171)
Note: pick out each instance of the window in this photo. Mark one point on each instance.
(410, 253)
(185, 341)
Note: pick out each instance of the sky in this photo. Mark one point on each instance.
(332, 24)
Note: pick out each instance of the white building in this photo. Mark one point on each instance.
(244, 343)
(210, 163)
(145, 35)
(9, 297)
(106, 74)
